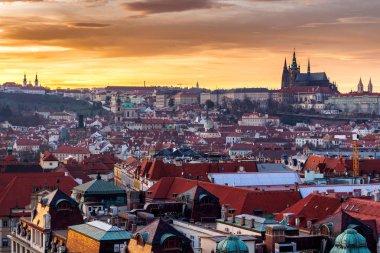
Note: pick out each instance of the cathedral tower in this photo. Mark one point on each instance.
(36, 81)
(285, 76)
(294, 70)
(360, 86)
(24, 82)
(370, 86)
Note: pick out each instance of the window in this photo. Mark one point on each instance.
(171, 243)
(205, 200)
(64, 205)
(5, 242)
(5, 223)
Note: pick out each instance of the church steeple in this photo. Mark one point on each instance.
(360, 86)
(294, 61)
(36, 81)
(370, 86)
(285, 76)
(24, 82)
(308, 66)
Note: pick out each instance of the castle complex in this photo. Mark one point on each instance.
(292, 77)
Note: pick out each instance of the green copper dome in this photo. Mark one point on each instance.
(232, 244)
(350, 241)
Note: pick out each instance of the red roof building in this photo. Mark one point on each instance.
(309, 210)
(243, 201)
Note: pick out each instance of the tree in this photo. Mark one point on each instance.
(5, 112)
(209, 104)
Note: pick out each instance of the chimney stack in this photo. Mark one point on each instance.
(376, 195)
(252, 223)
(134, 228)
(296, 186)
(242, 221)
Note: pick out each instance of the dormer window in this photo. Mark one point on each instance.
(64, 205)
(171, 243)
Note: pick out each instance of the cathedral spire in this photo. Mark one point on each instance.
(294, 61)
(24, 82)
(360, 86)
(36, 81)
(370, 86)
(308, 66)
(285, 65)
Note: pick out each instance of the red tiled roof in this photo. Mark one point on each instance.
(49, 157)
(65, 149)
(363, 209)
(312, 208)
(366, 166)
(16, 188)
(243, 200)
(27, 142)
(158, 169)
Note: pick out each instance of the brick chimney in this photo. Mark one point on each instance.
(274, 234)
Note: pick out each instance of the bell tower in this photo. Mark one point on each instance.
(360, 86)
(370, 86)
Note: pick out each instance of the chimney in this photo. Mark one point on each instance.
(134, 228)
(357, 192)
(376, 195)
(242, 221)
(274, 234)
(224, 213)
(296, 186)
(233, 218)
(252, 223)
(297, 222)
(126, 227)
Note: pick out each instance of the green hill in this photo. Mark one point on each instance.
(13, 105)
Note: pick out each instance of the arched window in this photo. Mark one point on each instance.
(205, 200)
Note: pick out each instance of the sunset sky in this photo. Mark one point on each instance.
(219, 43)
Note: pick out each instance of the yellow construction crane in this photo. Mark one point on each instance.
(355, 154)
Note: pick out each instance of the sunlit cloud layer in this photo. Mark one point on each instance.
(218, 43)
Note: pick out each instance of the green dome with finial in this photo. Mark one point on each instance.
(232, 244)
(350, 241)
